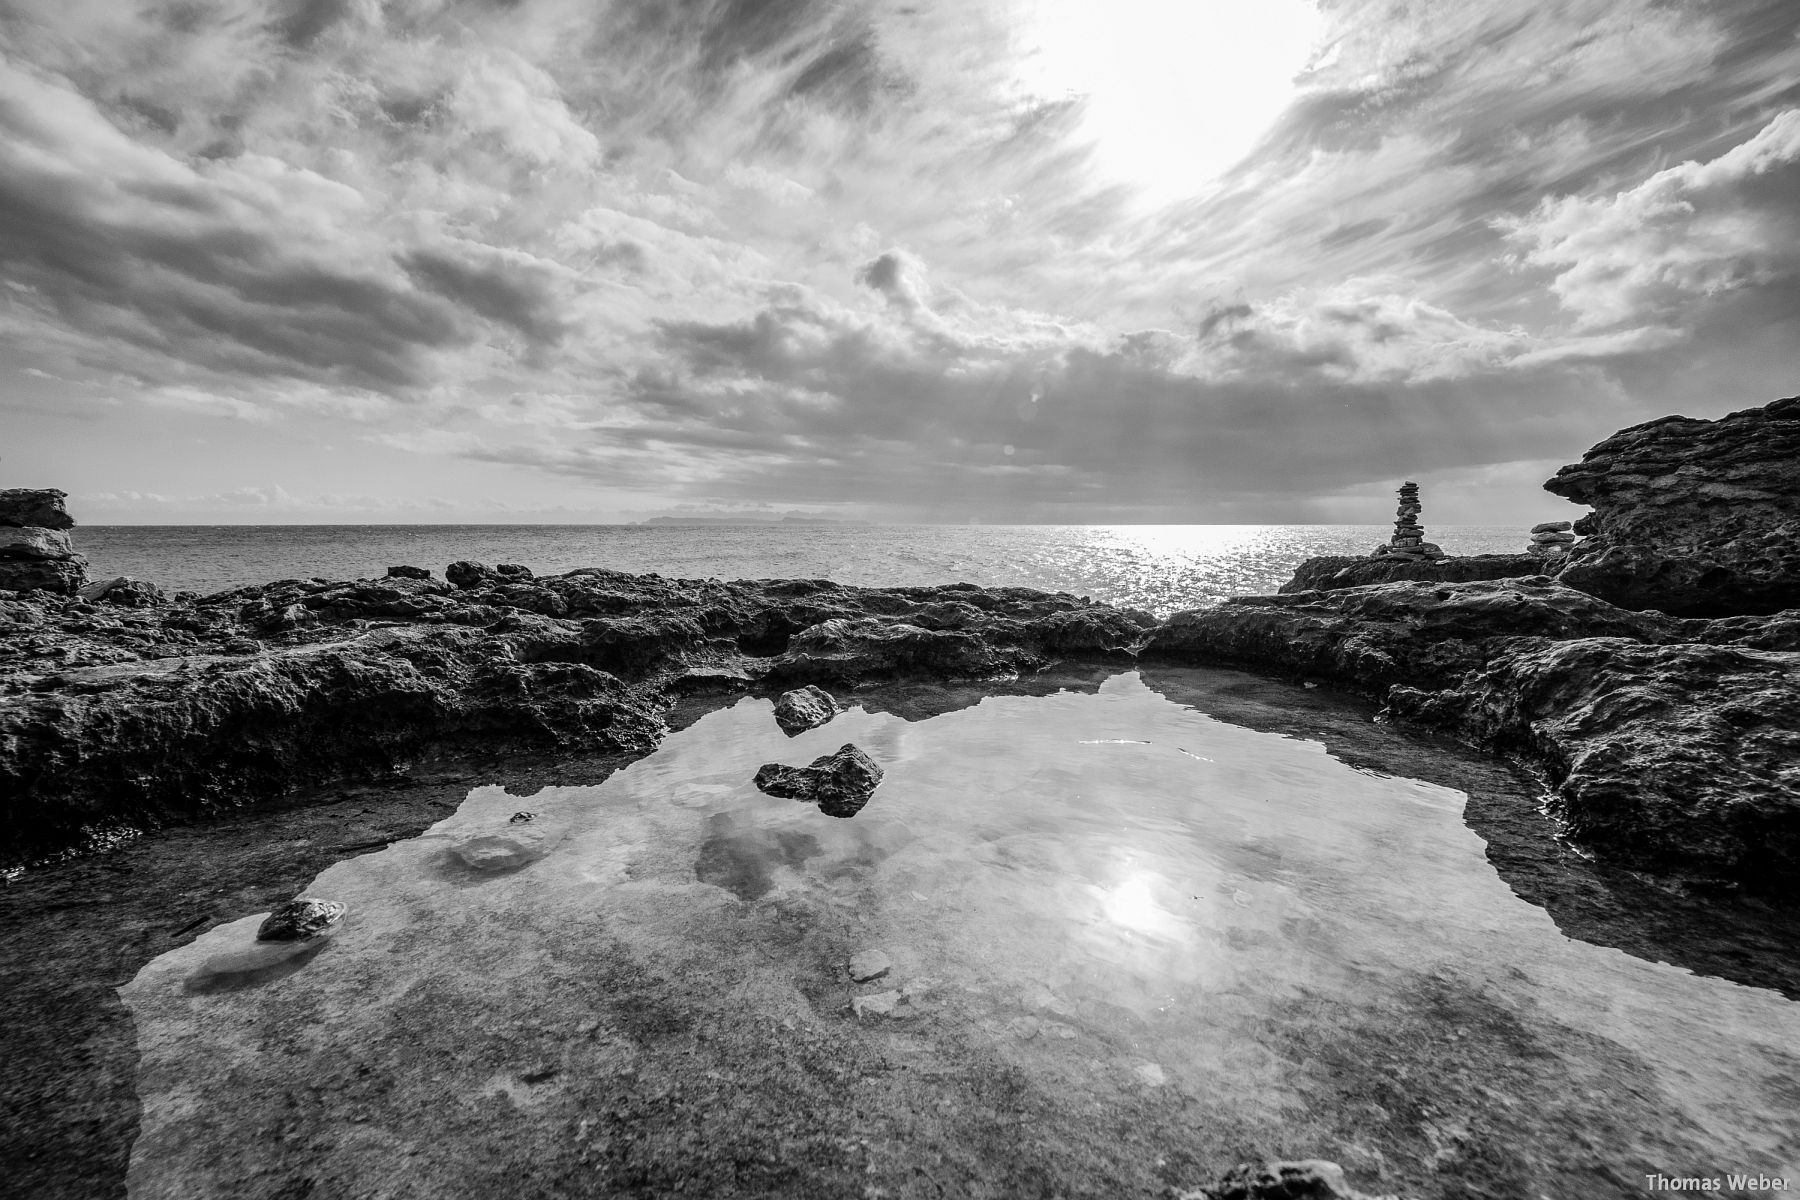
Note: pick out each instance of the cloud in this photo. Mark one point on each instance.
(1686, 233)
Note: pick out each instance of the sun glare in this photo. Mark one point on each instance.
(1176, 91)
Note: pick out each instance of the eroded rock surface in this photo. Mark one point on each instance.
(1696, 518)
(1674, 742)
(134, 707)
(1338, 571)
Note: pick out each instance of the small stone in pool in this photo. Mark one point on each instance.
(520, 818)
(299, 919)
(840, 784)
(879, 1004)
(869, 964)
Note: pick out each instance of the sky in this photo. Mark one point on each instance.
(1068, 261)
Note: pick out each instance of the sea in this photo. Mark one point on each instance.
(1160, 568)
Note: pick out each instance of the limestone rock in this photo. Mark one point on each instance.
(300, 919)
(1551, 527)
(513, 571)
(42, 507)
(1696, 518)
(804, 708)
(839, 783)
(405, 572)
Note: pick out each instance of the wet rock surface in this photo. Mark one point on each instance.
(839, 783)
(1696, 518)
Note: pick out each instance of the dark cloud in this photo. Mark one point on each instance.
(501, 287)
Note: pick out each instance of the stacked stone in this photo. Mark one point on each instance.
(1408, 543)
(1551, 539)
(35, 551)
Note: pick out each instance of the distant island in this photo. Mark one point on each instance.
(749, 521)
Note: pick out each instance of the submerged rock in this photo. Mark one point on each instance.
(300, 919)
(839, 783)
(867, 965)
(804, 708)
(495, 852)
(877, 1004)
(1306, 1179)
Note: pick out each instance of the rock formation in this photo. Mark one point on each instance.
(1326, 573)
(35, 550)
(1550, 539)
(1408, 543)
(122, 716)
(1696, 518)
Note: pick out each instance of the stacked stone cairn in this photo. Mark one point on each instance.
(35, 551)
(1408, 543)
(1551, 539)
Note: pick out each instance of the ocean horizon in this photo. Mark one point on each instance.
(1160, 568)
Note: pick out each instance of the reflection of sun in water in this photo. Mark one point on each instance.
(1176, 91)
(1132, 905)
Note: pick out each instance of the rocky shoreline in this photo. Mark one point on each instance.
(1650, 672)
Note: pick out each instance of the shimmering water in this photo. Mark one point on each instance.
(1158, 567)
(1119, 930)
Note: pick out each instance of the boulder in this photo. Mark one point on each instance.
(1696, 518)
(514, 571)
(804, 708)
(404, 572)
(42, 507)
(840, 784)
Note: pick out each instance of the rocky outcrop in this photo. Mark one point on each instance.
(1696, 518)
(1674, 743)
(839, 783)
(36, 552)
(137, 714)
(1320, 574)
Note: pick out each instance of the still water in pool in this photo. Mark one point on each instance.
(1122, 941)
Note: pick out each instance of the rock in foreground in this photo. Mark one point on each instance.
(1308, 1179)
(840, 783)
